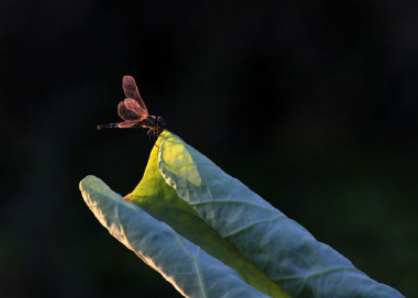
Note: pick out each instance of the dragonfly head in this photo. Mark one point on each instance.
(160, 121)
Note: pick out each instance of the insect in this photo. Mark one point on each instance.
(134, 111)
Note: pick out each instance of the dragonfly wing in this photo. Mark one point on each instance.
(127, 124)
(127, 114)
(133, 106)
(131, 91)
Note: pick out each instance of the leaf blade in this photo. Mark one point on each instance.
(193, 272)
(161, 201)
(284, 250)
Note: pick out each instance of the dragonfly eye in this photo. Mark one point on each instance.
(160, 120)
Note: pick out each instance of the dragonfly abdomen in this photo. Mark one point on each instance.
(106, 126)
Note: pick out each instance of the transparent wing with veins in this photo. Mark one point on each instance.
(131, 91)
(127, 124)
(130, 110)
(133, 107)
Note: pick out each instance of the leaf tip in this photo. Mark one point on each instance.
(86, 181)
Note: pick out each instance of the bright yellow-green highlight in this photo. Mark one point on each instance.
(161, 201)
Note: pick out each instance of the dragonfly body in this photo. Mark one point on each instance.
(134, 111)
(106, 126)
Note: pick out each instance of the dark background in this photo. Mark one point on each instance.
(312, 104)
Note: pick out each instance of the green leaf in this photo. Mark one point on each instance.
(161, 201)
(190, 269)
(214, 214)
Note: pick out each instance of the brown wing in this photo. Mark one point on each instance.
(133, 106)
(127, 114)
(127, 124)
(131, 91)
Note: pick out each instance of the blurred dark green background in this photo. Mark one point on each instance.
(312, 104)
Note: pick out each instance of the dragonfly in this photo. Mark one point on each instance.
(134, 111)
